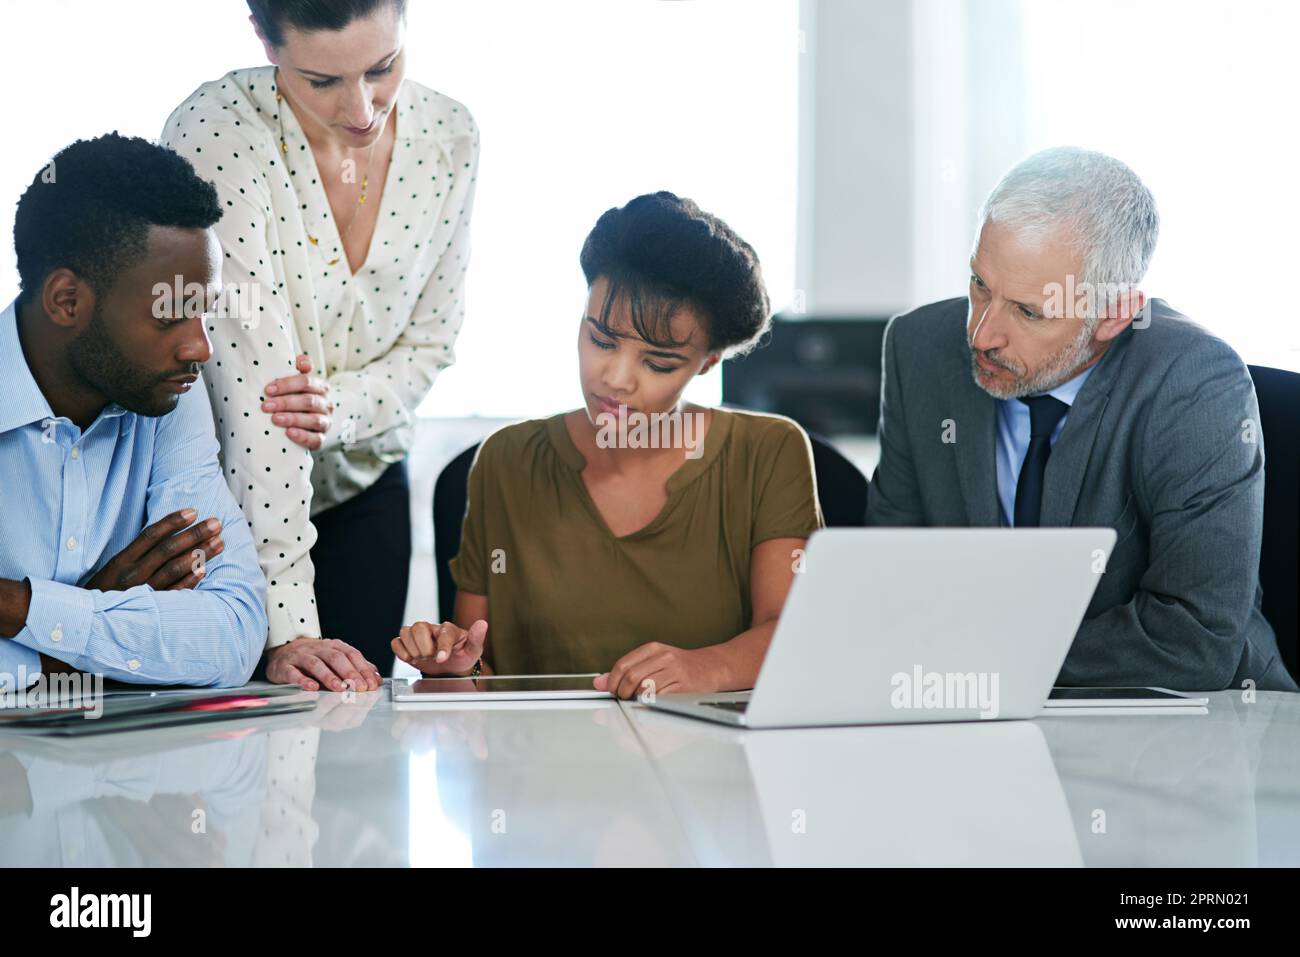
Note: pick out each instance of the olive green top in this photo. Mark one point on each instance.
(565, 595)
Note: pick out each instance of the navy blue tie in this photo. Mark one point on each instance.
(1044, 414)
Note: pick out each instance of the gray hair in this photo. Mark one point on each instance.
(1105, 209)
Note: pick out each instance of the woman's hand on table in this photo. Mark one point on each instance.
(316, 663)
(444, 649)
(300, 405)
(656, 668)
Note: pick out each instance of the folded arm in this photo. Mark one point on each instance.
(209, 635)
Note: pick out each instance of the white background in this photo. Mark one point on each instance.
(585, 103)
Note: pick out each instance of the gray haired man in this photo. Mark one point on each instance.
(1056, 394)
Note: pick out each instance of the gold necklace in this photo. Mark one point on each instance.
(365, 177)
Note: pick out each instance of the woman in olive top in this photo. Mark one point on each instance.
(647, 540)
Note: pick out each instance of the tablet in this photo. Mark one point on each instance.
(497, 688)
(1122, 697)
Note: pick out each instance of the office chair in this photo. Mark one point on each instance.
(841, 489)
(450, 496)
(1279, 558)
(841, 486)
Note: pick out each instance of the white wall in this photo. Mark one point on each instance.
(914, 111)
(856, 157)
(582, 104)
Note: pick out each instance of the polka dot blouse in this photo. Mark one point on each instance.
(380, 336)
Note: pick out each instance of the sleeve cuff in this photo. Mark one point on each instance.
(358, 405)
(291, 612)
(352, 414)
(58, 620)
(464, 580)
(19, 667)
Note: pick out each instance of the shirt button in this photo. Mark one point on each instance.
(72, 543)
(57, 633)
(133, 664)
(76, 452)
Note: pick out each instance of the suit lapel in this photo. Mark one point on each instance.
(975, 446)
(1068, 463)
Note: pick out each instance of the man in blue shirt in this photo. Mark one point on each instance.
(122, 551)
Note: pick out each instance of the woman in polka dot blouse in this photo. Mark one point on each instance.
(347, 193)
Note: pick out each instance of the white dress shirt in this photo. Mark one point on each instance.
(380, 336)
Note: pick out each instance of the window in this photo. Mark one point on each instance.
(1198, 100)
(581, 106)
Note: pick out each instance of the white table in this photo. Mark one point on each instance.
(358, 782)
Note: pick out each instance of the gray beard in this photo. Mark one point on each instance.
(1061, 366)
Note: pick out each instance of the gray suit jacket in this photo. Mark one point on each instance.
(1162, 444)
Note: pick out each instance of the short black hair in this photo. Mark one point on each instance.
(273, 16)
(663, 251)
(90, 208)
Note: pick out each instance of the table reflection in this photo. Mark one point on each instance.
(957, 794)
(360, 782)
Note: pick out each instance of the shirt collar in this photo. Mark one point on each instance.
(21, 400)
(1067, 392)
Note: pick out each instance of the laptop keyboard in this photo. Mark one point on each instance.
(727, 705)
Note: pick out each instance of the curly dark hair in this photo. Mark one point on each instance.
(90, 208)
(273, 16)
(664, 252)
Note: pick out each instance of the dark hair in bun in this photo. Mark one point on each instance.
(664, 252)
(275, 17)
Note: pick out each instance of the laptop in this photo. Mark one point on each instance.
(900, 626)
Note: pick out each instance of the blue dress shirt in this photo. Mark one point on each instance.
(1013, 439)
(73, 500)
